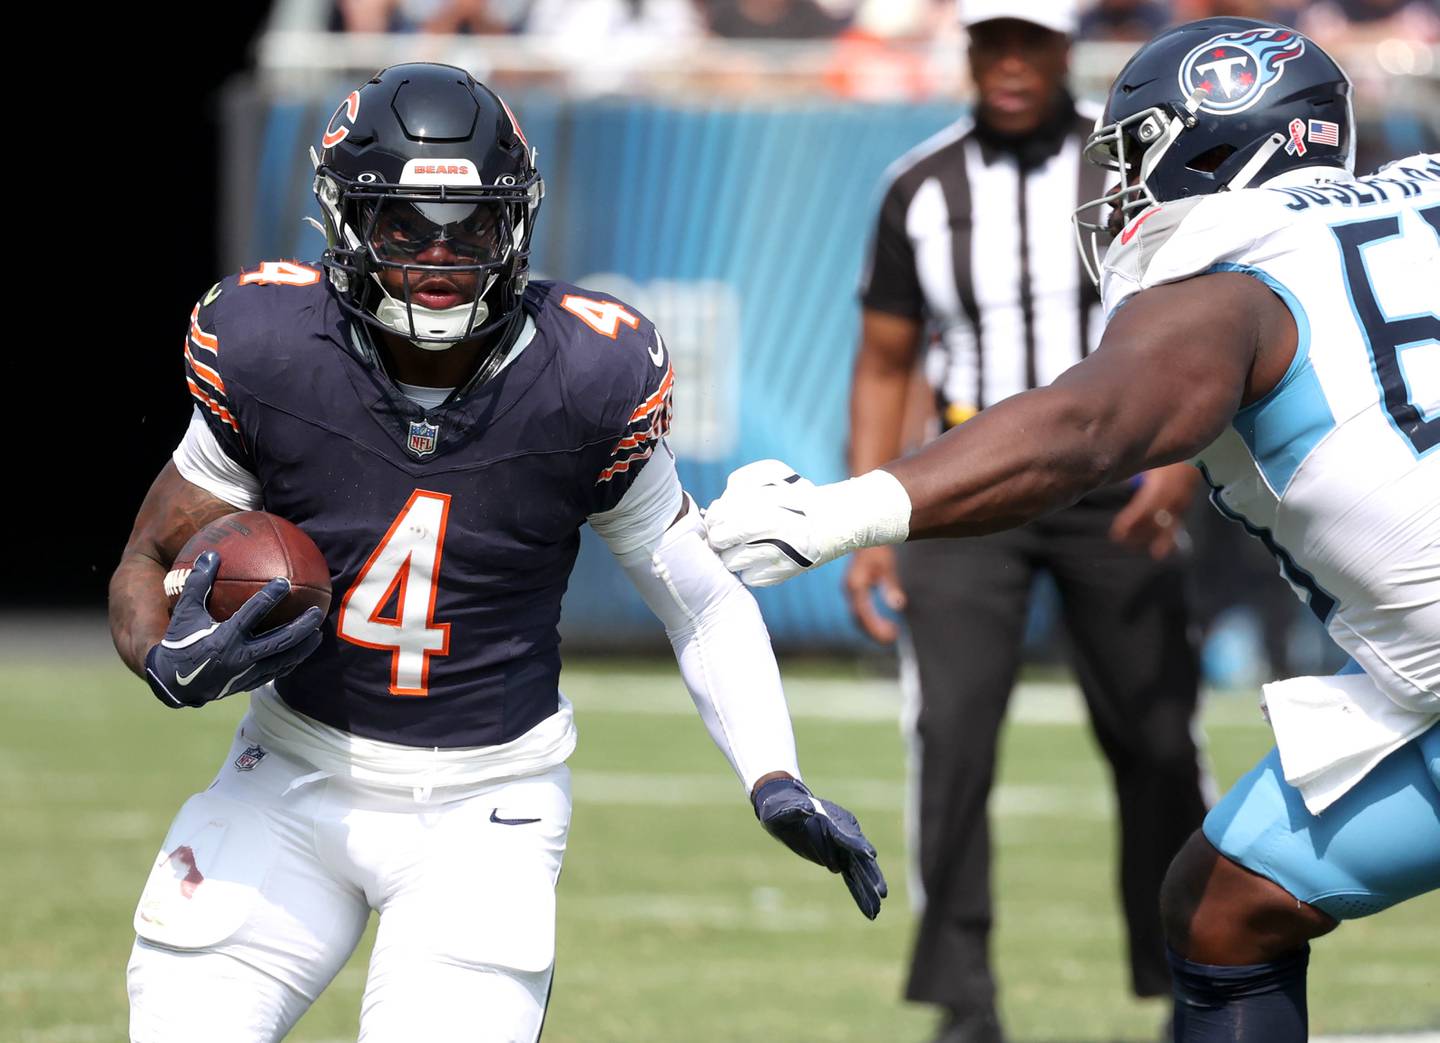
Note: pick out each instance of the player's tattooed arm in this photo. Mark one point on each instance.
(173, 511)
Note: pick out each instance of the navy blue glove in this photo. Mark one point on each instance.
(826, 834)
(201, 660)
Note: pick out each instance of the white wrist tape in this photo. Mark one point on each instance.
(867, 511)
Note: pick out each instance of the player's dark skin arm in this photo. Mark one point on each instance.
(173, 511)
(1175, 364)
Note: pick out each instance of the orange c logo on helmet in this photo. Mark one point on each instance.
(333, 134)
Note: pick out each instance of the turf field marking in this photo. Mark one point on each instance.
(860, 700)
(677, 790)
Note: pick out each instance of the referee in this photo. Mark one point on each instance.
(972, 259)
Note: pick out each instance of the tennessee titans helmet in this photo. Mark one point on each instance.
(429, 192)
(1213, 106)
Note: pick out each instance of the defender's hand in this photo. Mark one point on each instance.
(763, 526)
(200, 660)
(826, 834)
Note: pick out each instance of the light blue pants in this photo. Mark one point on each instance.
(1377, 845)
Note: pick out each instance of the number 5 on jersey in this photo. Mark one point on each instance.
(391, 605)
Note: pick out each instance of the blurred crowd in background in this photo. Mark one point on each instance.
(1327, 21)
(866, 50)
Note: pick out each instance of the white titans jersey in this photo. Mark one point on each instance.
(1337, 470)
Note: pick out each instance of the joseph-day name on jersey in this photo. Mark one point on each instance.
(1337, 469)
(450, 532)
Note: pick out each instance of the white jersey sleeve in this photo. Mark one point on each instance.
(712, 621)
(202, 461)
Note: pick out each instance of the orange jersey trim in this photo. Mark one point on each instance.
(201, 338)
(620, 466)
(209, 375)
(656, 400)
(212, 405)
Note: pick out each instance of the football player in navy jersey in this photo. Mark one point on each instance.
(441, 426)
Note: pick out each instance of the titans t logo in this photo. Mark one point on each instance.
(1234, 70)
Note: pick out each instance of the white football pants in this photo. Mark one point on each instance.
(266, 881)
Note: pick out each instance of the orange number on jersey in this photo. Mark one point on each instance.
(286, 273)
(402, 571)
(604, 317)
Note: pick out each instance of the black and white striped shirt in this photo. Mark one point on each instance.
(978, 246)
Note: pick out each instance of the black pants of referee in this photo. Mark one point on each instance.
(1133, 652)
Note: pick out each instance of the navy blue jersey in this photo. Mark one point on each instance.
(450, 532)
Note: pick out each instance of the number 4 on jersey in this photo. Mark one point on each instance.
(285, 273)
(604, 317)
(391, 606)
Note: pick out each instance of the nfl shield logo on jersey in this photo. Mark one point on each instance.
(423, 436)
(249, 757)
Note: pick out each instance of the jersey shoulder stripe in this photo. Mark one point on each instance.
(202, 372)
(649, 424)
(239, 338)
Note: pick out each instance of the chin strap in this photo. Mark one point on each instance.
(363, 345)
(495, 361)
(1247, 173)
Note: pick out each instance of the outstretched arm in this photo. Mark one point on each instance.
(725, 659)
(1176, 363)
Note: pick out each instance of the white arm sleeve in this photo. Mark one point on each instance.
(712, 621)
(201, 461)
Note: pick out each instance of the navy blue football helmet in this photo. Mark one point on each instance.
(1213, 106)
(429, 191)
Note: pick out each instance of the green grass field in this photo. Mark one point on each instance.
(679, 919)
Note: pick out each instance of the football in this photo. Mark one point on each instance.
(254, 548)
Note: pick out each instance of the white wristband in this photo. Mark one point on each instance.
(867, 511)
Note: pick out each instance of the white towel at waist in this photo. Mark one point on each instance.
(339, 753)
(1331, 731)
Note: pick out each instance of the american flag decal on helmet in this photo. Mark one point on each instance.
(1323, 132)
(649, 423)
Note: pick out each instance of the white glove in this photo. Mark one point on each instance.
(771, 524)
